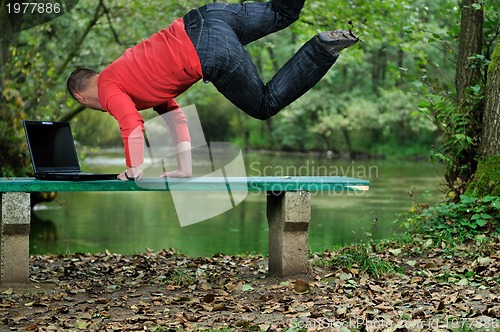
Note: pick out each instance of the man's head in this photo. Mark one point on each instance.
(82, 85)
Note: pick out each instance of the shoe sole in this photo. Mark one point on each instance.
(341, 42)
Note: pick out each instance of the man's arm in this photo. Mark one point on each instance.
(123, 109)
(183, 153)
(178, 126)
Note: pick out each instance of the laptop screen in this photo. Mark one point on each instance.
(51, 146)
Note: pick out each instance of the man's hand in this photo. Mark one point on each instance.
(175, 174)
(184, 162)
(131, 174)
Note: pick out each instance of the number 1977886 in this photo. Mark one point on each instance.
(33, 8)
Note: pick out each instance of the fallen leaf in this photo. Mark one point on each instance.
(8, 291)
(209, 298)
(411, 263)
(301, 286)
(440, 306)
(431, 266)
(395, 252)
(81, 324)
(205, 286)
(484, 260)
(416, 280)
(345, 276)
(246, 288)
(341, 311)
(419, 313)
(219, 307)
(264, 327)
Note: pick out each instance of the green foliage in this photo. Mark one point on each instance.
(388, 124)
(459, 121)
(460, 221)
(13, 156)
(86, 124)
(214, 110)
(292, 129)
(460, 142)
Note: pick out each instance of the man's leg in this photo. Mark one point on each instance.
(240, 83)
(219, 32)
(289, 8)
(249, 20)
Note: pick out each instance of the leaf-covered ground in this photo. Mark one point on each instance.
(430, 289)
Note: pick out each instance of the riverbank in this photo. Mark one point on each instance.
(408, 285)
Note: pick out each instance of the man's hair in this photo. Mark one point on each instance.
(79, 80)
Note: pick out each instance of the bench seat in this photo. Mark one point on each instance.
(288, 212)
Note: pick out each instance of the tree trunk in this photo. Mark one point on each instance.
(6, 39)
(379, 68)
(470, 43)
(470, 105)
(487, 176)
(347, 138)
(490, 139)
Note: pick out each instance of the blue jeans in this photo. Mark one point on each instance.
(219, 31)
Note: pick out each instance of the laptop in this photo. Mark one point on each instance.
(53, 153)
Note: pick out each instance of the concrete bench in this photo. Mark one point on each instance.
(288, 213)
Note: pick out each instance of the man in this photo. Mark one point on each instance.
(207, 43)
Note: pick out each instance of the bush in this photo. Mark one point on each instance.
(462, 220)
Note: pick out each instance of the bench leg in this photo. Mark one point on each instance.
(14, 245)
(288, 215)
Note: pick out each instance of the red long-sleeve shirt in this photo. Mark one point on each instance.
(149, 75)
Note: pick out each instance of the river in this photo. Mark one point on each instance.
(131, 223)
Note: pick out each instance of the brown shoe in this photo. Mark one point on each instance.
(336, 41)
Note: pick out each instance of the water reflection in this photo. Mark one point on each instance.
(132, 222)
(44, 231)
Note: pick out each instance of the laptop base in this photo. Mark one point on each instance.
(75, 176)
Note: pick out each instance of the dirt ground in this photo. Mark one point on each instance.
(429, 290)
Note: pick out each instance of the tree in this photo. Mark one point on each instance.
(487, 177)
(490, 140)
(33, 60)
(469, 130)
(470, 44)
(470, 93)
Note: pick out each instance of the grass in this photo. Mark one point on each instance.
(448, 230)
(358, 256)
(180, 277)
